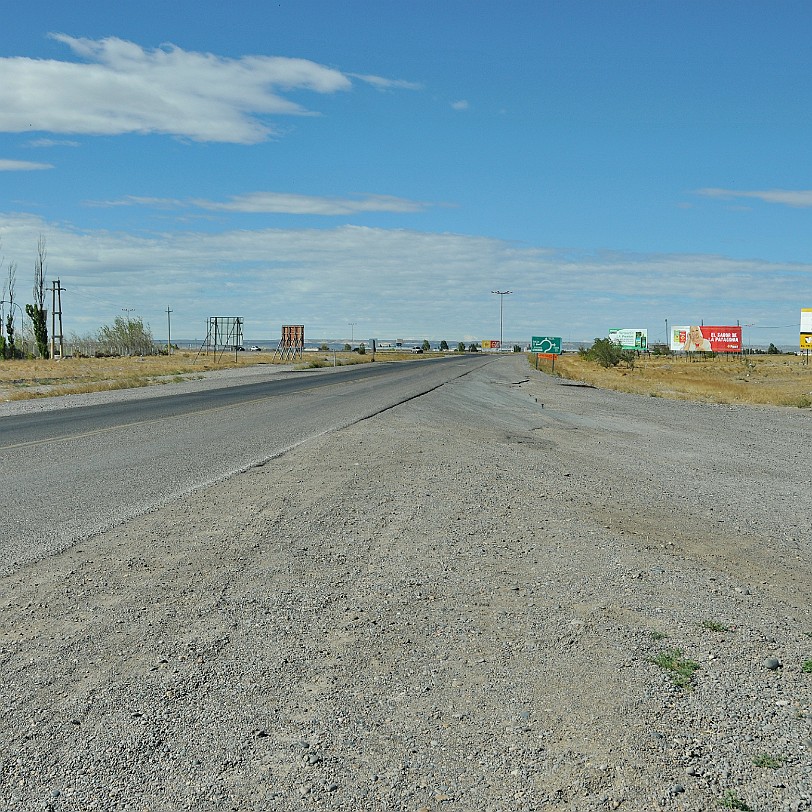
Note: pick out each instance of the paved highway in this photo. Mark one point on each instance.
(73, 472)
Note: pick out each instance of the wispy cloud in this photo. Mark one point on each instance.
(120, 87)
(381, 83)
(281, 203)
(22, 166)
(272, 202)
(45, 143)
(460, 105)
(788, 197)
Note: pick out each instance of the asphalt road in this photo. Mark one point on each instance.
(82, 470)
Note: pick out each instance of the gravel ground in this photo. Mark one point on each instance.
(455, 605)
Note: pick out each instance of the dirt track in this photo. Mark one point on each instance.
(452, 606)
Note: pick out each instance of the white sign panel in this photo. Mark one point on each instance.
(629, 338)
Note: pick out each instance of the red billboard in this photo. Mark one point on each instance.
(706, 338)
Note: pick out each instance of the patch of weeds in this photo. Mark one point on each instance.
(730, 801)
(769, 762)
(681, 670)
(807, 667)
(656, 635)
(715, 626)
(801, 402)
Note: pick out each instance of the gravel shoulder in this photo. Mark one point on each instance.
(454, 605)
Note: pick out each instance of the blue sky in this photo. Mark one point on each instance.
(389, 164)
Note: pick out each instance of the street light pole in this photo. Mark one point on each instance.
(501, 294)
(352, 331)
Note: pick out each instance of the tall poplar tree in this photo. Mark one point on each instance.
(36, 312)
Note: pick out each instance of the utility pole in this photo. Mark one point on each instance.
(352, 331)
(56, 310)
(501, 294)
(168, 332)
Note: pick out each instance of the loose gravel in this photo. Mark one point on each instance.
(510, 594)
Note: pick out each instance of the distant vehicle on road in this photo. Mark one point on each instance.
(256, 349)
(417, 349)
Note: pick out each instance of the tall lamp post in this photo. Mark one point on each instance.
(501, 294)
(352, 331)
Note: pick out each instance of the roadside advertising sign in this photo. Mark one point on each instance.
(629, 338)
(706, 338)
(293, 335)
(806, 328)
(546, 344)
(490, 344)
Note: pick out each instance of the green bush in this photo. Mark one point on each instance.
(605, 352)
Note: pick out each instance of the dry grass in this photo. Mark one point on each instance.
(777, 380)
(24, 380)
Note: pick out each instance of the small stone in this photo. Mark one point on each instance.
(772, 663)
(677, 789)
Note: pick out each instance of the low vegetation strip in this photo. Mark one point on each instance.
(776, 380)
(28, 379)
(23, 380)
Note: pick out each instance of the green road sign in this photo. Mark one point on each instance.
(547, 344)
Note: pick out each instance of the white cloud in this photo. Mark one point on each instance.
(124, 88)
(21, 166)
(788, 197)
(394, 282)
(460, 105)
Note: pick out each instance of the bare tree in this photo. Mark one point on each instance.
(36, 312)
